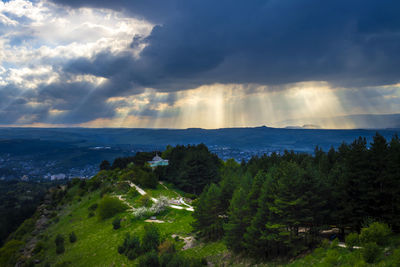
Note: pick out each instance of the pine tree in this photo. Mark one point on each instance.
(207, 214)
(358, 184)
(230, 178)
(253, 241)
(380, 195)
(105, 165)
(238, 215)
(393, 179)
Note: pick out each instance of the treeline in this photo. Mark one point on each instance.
(134, 169)
(190, 167)
(277, 205)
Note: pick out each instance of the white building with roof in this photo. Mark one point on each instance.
(158, 161)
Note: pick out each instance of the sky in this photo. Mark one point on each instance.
(192, 63)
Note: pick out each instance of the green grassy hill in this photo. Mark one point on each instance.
(74, 209)
(79, 208)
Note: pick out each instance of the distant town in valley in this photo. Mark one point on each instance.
(57, 154)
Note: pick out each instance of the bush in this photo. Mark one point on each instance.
(160, 205)
(105, 190)
(166, 247)
(335, 243)
(122, 187)
(131, 247)
(177, 260)
(59, 244)
(142, 212)
(325, 243)
(91, 214)
(351, 240)
(332, 257)
(151, 238)
(116, 223)
(145, 201)
(376, 233)
(370, 252)
(149, 259)
(109, 206)
(395, 258)
(93, 207)
(72, 237)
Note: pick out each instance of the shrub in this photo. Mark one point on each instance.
(370, 252)
(131, 247)
(105, 190)
(142, 212)
(351, 240)
(93, 207)
(335, 243)
(149, 259)
(167, 259)
(59, 244)
(395, 258)
(122, 187)
(325, 243)
(332, 257)
(109, 206)
(166, 247)
(116, 223)
(177, 260)
(156, 208)
(376, 233)
(160, 205)
(145, 201)
(94, 183)
(91, 214)
(72, 237)
(151, 238)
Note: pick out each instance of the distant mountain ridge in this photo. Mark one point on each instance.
(358, 121)
(272, 139)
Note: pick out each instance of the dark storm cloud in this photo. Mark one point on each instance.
(347, 43)
(79, 102)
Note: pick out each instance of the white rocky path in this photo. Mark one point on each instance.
(142, 192)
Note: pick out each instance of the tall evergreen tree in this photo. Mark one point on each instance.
(230, 178)
(379, 196)
(358, 184)
(238, 220)
(208, 218)
(393, 178)
(253, 241)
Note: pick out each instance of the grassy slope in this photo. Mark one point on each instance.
(97, 241)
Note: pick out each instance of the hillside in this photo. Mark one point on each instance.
(290, 209)
(97, 242)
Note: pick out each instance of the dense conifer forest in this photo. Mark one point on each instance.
(277, 205)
